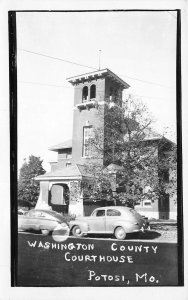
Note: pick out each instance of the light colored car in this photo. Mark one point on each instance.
(117, 220)
(44, 220)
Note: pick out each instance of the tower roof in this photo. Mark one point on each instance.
(64, 145)
(98, 74)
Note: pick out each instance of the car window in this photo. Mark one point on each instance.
(99, 213)
(36, 214)
(113, 212)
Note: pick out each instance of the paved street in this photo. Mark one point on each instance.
(159, 233)
(167, 232)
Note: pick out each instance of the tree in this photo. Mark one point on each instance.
(28, 187)
(168, 170)
(125, 144)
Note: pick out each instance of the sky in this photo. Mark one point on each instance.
(140, 47)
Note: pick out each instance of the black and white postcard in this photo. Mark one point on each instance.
(95, 108)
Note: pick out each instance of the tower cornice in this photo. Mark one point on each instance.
(105, 73)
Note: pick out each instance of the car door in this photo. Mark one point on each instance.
(47, 221)
(97, 221)
(112, 217)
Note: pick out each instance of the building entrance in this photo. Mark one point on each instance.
(59, 197)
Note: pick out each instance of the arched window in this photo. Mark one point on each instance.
(85, 94)
(93, 91)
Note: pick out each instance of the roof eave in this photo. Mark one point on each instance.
(60, 148)
(73, 80)
(59, 178)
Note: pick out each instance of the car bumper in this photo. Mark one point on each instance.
(143, 228)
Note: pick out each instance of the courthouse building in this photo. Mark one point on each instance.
(62, 187)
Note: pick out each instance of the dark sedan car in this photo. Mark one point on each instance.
(40, 220)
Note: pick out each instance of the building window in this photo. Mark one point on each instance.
(87, 135)
(147, 203)
(93, 91)
(62, 156)
(69, 155)
(85, 94)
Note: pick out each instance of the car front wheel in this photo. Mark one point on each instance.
(120, 233)
(76, 231)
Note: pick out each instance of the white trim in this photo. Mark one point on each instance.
(57, 182)
(82, 106)
(88, 104)
(59, 178)
(87, 75)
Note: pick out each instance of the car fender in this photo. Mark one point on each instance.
(82, 224)
(127, 225)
